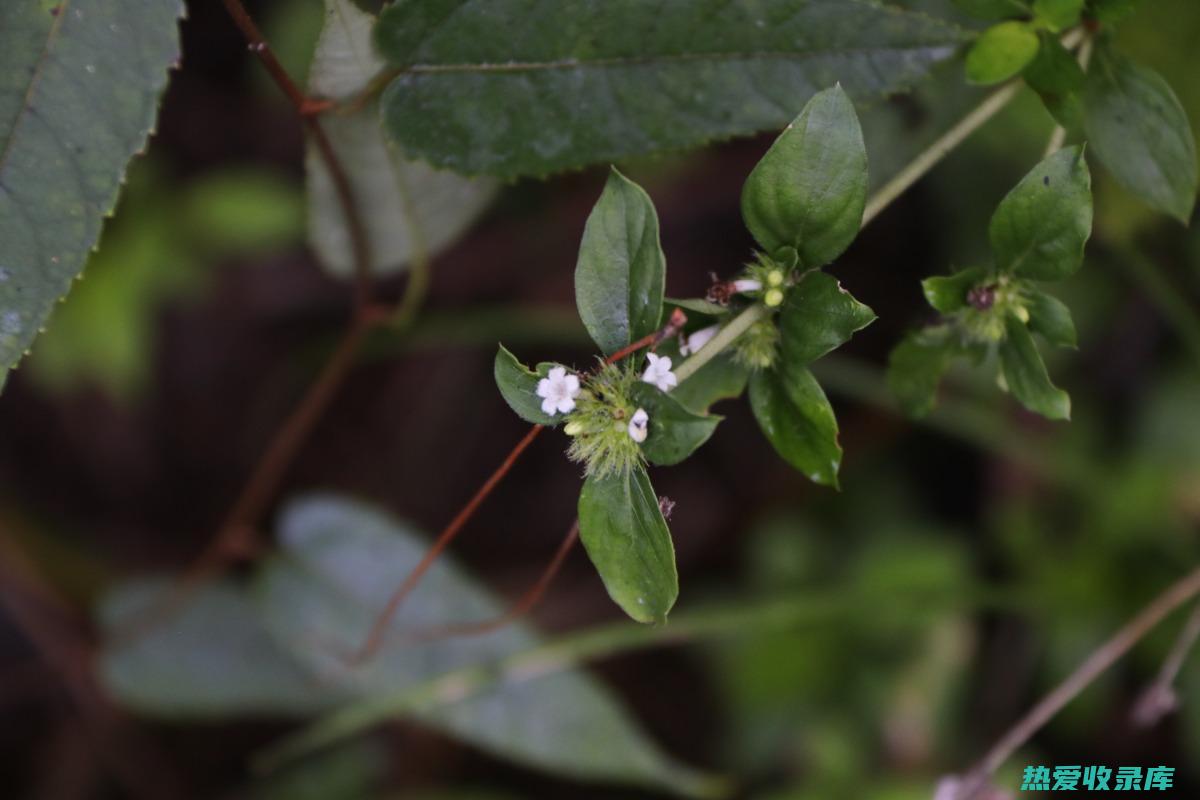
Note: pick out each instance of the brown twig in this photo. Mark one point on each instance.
(523, 606)
(1100, 660)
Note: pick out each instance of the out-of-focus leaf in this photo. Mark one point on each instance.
(210, 658)
(818, 317)
(352, 772)
(623, 530)
(948, 293)
(917, 364)
(341, 564)
(1110, 11)
(993, 9)
(1057, 77)
(1039, 229)
(797, 419)
(1050, 317)
(1057, 15)
(518, 386)
(675, 432)
(1026, 376)
(1137, 127)
(808, 191)
(1001, 52)
(242, 211)
(410, 210)
(79, 89)
(621, 272)
(492, 86)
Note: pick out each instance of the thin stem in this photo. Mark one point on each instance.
(1097, 663)
(722, 340)
(378, 632)
(1160, 697)
(519, 609)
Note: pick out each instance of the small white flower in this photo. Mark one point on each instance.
(747, 285)
(637, 425)
(698, 340)
(558, 391)
(659, 373)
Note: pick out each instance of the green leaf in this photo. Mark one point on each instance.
(797, 419)
(675, 431)
(506, 88)
(1111, 11)
(722, 378)
(1140, 132)
(808, 192)
(626, 537)
(342, 561)
(1001, 53)
(410, 210)
(621, 272)
(917, 364)
(1050, 317)
(818, 317)
(1039, 229)
(993, 9)
(518, 386)
(948, 293)
(1057, 77)
(210, 658)
(1026, 375)
(79, 89)
(698, 306)
(1058, 15)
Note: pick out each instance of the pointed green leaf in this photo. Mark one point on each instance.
(1050, 317)
(79, 89)
(342, 561)
(1112, 11)
(1138, 129)
(948, 293)
(409, 209)
(508, 88)
(698, 306)
(211, 658)
(818, 317)
(808, 192)
(1026, 376)
(1057, 77)
(1001, 53)
(674, 432)
(623, 530)
(1057, 15)
(917, 364)
(518, 386)
(1039, 229)
(993, 9)
(797, 419)
(621, 272)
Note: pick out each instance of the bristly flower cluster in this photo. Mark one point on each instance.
(600, 425)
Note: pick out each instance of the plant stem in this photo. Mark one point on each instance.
(1059, 136)
(1160, 698)
(723, 339)
(1098, 662)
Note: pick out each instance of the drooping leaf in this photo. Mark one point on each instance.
(1136, 126)
(797, 419)
(675, 432)
(818, 317)
(808, 192)
(626, 537)
(917, 364)
(1039, 229)
(510, 88)
(993, 9)
(409, 209)
(1001, 52)
(948, 293)
(621, 272)
(518, 385)
(1050, 317)
(79, 89)
(1058, 15)
(210, 658)
(1026, 376)
(341, 564)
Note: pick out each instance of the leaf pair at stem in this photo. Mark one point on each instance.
(803, 203)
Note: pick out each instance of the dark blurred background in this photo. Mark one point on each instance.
(128, 432)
